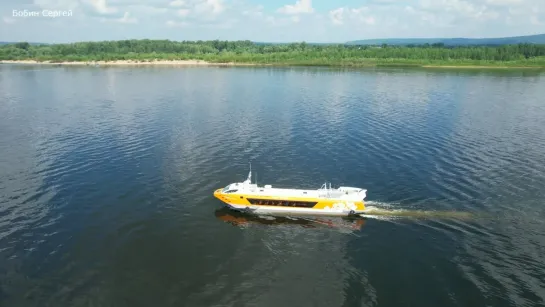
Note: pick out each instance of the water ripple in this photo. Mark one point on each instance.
(107, 180)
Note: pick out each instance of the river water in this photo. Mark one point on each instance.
(107, 175)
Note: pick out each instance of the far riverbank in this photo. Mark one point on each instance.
(120, 62)
(366, 63)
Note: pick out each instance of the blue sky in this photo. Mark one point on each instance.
(272, 21)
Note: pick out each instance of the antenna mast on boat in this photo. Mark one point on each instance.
(250, 174)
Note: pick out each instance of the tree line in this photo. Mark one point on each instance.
(254, 52)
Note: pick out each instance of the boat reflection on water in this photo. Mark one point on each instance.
(238, 218)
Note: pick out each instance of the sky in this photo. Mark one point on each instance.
(331, 21)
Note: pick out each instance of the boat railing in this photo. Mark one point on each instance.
(324, 190)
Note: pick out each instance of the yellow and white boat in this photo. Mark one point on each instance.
(248, 196)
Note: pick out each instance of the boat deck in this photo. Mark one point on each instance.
(254, 190)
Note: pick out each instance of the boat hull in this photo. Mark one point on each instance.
(324, 206)
(280, 210)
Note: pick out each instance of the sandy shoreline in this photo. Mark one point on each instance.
(482, 67)
(205, 63)
(127, 62)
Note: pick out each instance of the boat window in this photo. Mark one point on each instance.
(284, 203)
(231, 191)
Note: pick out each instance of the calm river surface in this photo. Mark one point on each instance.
(107, 174)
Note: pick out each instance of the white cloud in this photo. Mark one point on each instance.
(204, 10)
(524, 13)
(253, 12)
(56, 4)
(173, 24)
(271, 20)
(183, 12)
(360, 10)
(456, 13)
(369, 20)
(177, 3)
(535, 8)
(301, 6)
(209, 6)
(209, 18)
(410, 9)
(101, 7)
(535, 21)
(455, 6)
(281, 21)
(8, 20)
(504, 2)
(337, 16)
(356, 15)
(227, 24)
(127, 19)
(142, 9)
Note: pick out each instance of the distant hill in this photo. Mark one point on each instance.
(532, 39)
(287, 43)
(34, 44)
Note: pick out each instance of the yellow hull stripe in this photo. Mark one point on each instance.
(321, 203)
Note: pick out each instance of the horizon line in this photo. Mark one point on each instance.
(279, 42)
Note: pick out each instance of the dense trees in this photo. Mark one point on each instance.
(295, 53)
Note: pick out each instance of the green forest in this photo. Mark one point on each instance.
(520, 55)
